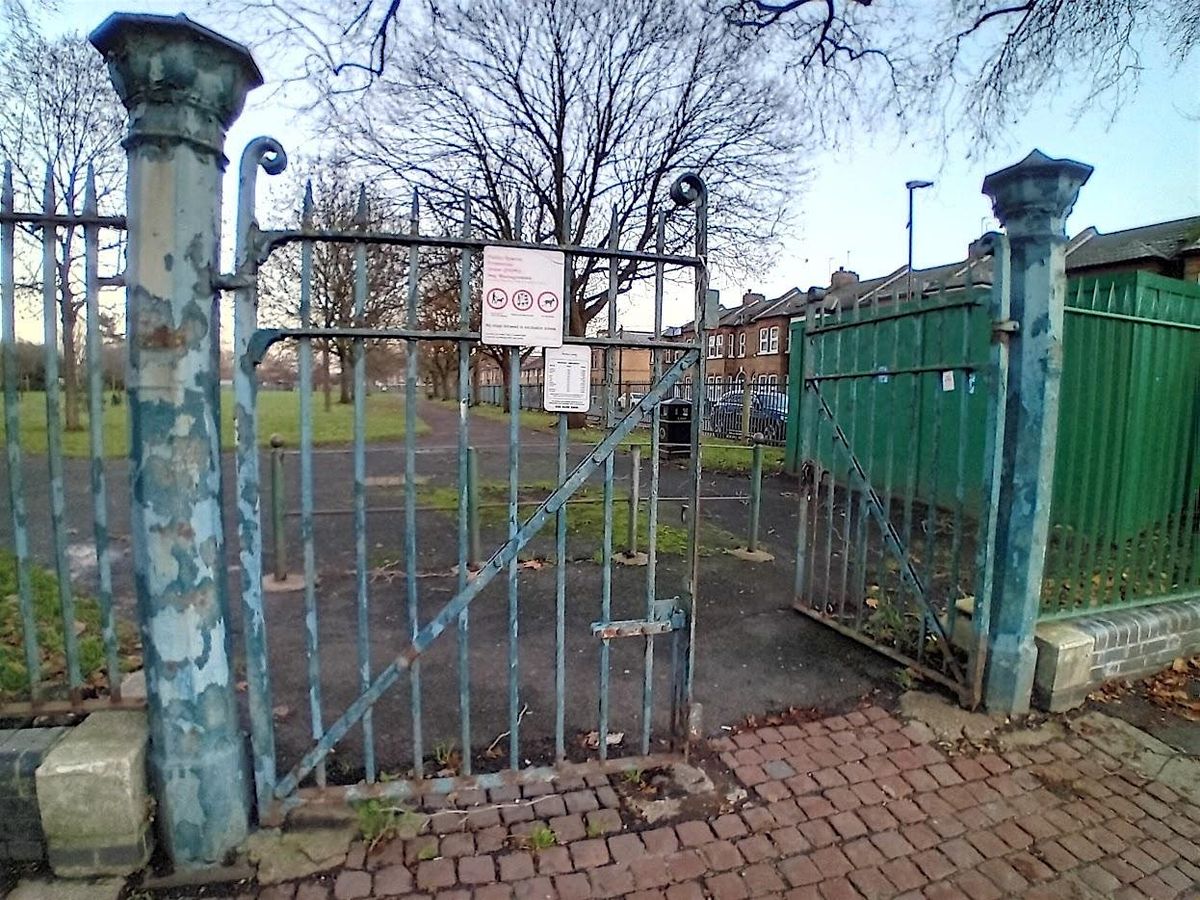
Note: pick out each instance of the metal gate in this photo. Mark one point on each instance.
(893, 423)
(644, 615)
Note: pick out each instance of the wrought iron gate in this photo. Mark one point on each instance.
(669, 614)
(894, 423)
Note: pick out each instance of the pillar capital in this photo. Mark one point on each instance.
(180, 82)
(1034, 197)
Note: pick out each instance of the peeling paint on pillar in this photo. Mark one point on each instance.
(183, 85)
(1032, 199)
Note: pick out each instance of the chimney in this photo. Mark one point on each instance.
(751, 297)
(842, 277)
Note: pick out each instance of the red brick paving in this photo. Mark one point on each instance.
(854, 806)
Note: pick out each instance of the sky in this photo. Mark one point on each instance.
(853, 210)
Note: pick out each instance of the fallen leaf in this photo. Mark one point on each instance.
(592, 739)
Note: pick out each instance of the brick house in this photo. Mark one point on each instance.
(751, 340)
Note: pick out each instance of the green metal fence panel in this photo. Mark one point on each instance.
(926, 336)
(1127, 471)
(1126, 506)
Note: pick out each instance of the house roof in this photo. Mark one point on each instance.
(1162, 240)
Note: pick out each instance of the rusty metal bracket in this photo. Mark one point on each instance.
(667, 617)
(1004, 327)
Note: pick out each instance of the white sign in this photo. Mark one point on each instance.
(522, 297)
(947, 381)
(568, 379)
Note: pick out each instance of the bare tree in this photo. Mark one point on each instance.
(59, 116)
(336, 205)
(982, 61)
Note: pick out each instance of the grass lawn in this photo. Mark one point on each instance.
(717, 454)
(278, 412)
(586, 520)
(14, 682)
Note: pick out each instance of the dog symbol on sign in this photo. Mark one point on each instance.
(547, 301)
(522, 300)
(496, 298)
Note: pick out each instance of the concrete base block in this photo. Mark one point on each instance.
(94, 799)
(747, 555)
(1062, 678)
(290, 584)
(626, 558)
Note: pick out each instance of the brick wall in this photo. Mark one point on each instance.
(1076, 656)
(21, 752)
(1138, 641)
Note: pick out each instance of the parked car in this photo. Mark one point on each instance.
(768, 415)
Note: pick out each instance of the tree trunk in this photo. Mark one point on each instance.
(504, 381)
(346, 369)
(69, 317)
(326, 378)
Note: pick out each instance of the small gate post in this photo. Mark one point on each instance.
(183, 86)
(1032, 199)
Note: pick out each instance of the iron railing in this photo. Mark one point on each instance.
(65, 636)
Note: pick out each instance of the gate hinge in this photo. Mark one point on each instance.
(667, 617)
(1006, 326)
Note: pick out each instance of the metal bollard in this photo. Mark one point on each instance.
(635, 479)
(277, 500)
(473, 552)
(746, 397)
(756, 457)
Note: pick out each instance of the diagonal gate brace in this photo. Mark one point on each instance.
(494, 566)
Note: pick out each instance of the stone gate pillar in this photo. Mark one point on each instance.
(183, 85)
(1032, 200)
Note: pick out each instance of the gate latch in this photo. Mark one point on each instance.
(667, 617)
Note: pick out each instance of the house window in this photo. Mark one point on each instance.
(763, 340)
(742, 344)
(774, 345)
(787, 339)
(771, 381)
(715, 345)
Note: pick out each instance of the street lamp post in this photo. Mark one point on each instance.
(912, 186)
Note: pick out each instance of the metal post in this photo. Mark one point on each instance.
(183, 86)
(746, 396)
(756, 458)
(1032, 200)
(277, 502)
(473, 557)
(911, 186)
(635, 479)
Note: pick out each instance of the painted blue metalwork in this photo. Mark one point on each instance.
(467, 528)
(266, 153)
(497, 563)
(95, 375)
(412, 359)
(183, 86)
(1032, 199)
(687, 190)
(312, 635)
(12, 441)
(560, 527)
(606, 560)
(514, 460)
(363, 599)
(756, 461)
(54, 453)
(652, 525)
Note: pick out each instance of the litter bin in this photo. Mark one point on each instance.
(675, 427)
